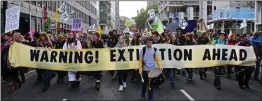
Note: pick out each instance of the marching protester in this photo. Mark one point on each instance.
(256, 42)
(189, 41)
(218, 69)
(59, 43)
(134, 72)
(111, 43)
(172, 71)
(182, 40)
(203, 40)
(5, 67)
(148, 58)
(17, 83)
(121, 74)
(45, 75)
(73, 76)
(232, 40)
(97, 43)
(244, 72)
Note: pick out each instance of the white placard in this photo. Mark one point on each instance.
(12, 19)
(182, 23)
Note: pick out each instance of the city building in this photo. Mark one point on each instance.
(105, 16)
(32, 13)
(258, 13)
(122, 23)
(171, 11)
(228, 15)
(117, 16)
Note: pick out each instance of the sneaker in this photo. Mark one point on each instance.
(124, 84)
(247, 87)
(143, 96)
(241, 87)
(121, 88)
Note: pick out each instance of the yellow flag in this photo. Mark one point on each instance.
(56, 17)
(99, 30)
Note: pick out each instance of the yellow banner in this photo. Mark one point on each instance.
(127, 58)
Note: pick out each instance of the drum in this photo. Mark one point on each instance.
(156, 76)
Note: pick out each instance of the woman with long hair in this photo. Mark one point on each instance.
(232, 40)
(45, 75)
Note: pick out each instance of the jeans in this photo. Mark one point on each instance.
(122, 76)
(39, 75)
(256, 71)
(147, 84)
(172, 75)
(202, 72)
(190, 73)
(47, 76)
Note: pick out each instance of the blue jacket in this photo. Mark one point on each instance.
(256, 42)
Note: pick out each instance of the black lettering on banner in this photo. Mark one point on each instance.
(78, 57)
(96, 55)
(188, 54)
(243, 54)
(207, 55)
(179, 57)
(88, 59)
(131, 54)
(34, 55)
(137, 54)
(216, 54)
(224, 54)
(121, 55)
(70, 57)
(233, 55)
(169, 54)
(63, 57)
(44, 57)
(162, 53)
(53, 56)
(112, 55)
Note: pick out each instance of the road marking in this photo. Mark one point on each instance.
(64, 99)
(30, 72)
(187, 95)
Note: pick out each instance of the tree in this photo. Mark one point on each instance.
(142, 16)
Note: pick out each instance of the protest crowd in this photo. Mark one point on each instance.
(92, 39)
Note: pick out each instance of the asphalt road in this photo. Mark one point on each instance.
(200, 90)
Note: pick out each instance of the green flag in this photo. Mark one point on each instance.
(128, 23)
(158, 26)
(47, 25)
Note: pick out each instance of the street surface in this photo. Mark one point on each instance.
(200, 90)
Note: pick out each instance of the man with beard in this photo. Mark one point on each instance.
(97, 43)
(203, 40)
(74, 76)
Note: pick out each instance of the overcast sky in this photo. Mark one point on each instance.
(129, 8)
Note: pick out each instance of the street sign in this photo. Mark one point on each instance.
(182, 23)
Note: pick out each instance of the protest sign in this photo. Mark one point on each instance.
(77, 24)
(12, 19)
(197, 56)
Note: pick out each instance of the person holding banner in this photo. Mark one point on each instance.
(189, 41)
(232, 40)
(97, 43)
(256, 42)
(73, 76)
(244, 72)
(17, 83)
(203, 40)
(44, 75)
(147, 62)
(59, 45)
(111, 43)
(122, 74)
(218, 69)
(135, 42)
(172, 71)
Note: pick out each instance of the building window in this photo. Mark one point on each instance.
(45, 3)
(33, 2)
(50, 5)
(53, 6)
(39, 3)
